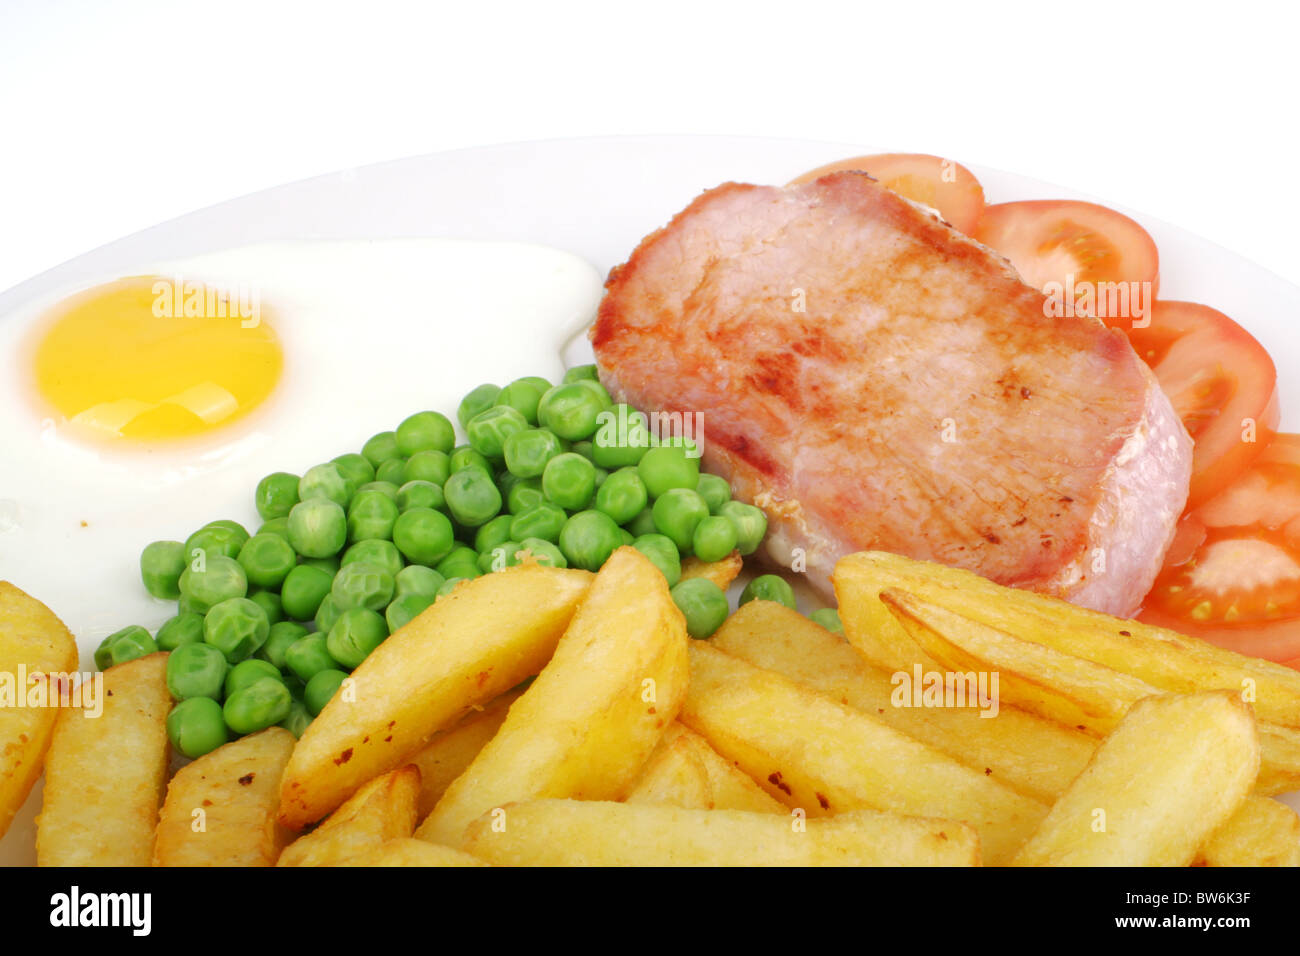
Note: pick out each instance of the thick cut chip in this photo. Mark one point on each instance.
(1262, 832)
(382, 810)
(105, 775)
(450, 751)
(674, 775)
(592, 717)
(470, 646)
(409, 851)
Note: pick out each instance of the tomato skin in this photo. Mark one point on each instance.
(1232, 577)
(1222, 383)
(945, 186)
(1069, 249)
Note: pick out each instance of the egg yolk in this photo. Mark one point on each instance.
(150, 358)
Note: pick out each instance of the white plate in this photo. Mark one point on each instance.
(595, 198)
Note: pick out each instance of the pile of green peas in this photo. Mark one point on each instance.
(270, 624)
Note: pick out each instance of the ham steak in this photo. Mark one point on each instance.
(876, 380)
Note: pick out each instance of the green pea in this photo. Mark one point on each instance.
(321, 688)
(267, 560)
(542, 384)
(385, 488)
(829, 618)
(380, 448)
(663, 554)
(667, 467)
(677, 512)
(472, 497)
(209, 582)
(583, 448)
(216, 539)
(318, 527)
(327, 613)
(355, 469)
(372, 514)
(393, 471)
(625, 537)
(324, 481)
(278, 526)
(703, 604)
(714, 538)
(461, 563)
(588, 539)
(750, 522)
(450, 585)
(308, 655)
(299, 718)
(355, 634)
(362, 585)
(502, 555)
(488, 430)
(382, 553)
(643, 523)
(279, 639)
(424, 536)
(303, 590)
(570, 411)
(269, 602)
(544, 552)
(493, 533)
(196, 670)
(425, 430)
(580, 372)
(187, 605)
(545, 521)
(182, 629)
(406, 608)
(466, 457)
(124, 645)
(479, 400)
(416, 579)
(622, 437)
(527, 452)
(769, 587)
(622, 496)
(249, 672)
(594, 386)
(330, 565)
(161, 564)
(420, 494)
(524, 494)
(237, 627)
(569, 481)
(523, 395)
(196, 727)
(715, 491)
(428, 465)
(276, 494)
(257, 706)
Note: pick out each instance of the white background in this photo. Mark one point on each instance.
(116, 116)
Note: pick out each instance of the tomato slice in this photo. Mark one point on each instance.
(1091, 259)
(1222, 384)
(1240, 586)
(945, 186)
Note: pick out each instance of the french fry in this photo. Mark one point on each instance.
(450, 751)
(1074, 691)
(220, 810)
(818, 755)
(588, 722)
(105, 775)
(674, 775)
(409, 851)
(729, 787)
(1035, 756)
(33, 644)
(1165, 659)
(1175, 769)
(599, 833)
(721, 573)
(382, 810)
(1262, 832)
(470, 646)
